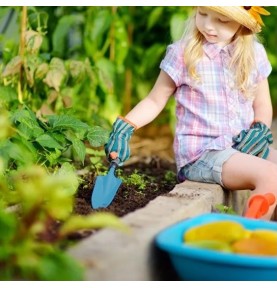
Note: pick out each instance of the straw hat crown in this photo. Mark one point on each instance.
(248, 16)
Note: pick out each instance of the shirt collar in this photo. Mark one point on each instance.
(212, 49)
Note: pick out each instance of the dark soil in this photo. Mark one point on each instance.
(152, 159)
(155, 177)
(152, 162)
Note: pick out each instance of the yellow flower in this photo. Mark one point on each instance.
(255, 12)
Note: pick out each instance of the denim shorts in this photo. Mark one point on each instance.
(207, 168)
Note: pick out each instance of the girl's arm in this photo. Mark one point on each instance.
(150, 107)
(262, 104)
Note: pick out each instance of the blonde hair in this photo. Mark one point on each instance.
(242, 62)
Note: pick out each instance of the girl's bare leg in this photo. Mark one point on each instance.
(243, 171)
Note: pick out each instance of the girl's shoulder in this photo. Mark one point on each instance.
(178, 44)
(260, 51)
(176, 47)
(258, 46)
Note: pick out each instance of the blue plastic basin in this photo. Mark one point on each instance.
(198, 264)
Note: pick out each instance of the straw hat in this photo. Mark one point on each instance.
(248, 16)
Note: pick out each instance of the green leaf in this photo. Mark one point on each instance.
(53, 157)
(106, 72)
(121, 44)
(13, 67)
(177, 25)
(59, 137)
(66, 122)
(97, 136)
(19, 150)
(41, 71)
(69, 171)
(27, 123)
(31, 63)
(62, 32)
(30, 129)
(101, 24)
(95, 221)
(7, 94)
(78, 146)
(56, 74)
(21, 115)
(33, 41)
(77, 70)
(154, 17)
(46, 140)
(7, 226)
(58, 266)
(80, 149)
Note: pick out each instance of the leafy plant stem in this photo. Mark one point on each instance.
(21, 49)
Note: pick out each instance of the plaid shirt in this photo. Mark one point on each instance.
(210, 112)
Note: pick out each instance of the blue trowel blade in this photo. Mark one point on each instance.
(105, 189)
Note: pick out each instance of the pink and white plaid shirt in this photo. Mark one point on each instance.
(210, 112)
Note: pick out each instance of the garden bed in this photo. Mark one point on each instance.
(150, 172)
(143, 182)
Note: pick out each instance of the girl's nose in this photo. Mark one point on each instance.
(208, 24)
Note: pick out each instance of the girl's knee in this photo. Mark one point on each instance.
(268, 179)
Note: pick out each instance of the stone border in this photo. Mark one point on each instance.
(111, 255)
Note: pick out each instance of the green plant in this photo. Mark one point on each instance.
(96, 160)
(50, 141)
(135, 179)
(32, 202)
(170, 176)
(26, 253)
(225, 209)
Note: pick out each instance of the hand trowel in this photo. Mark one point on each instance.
(105, 187)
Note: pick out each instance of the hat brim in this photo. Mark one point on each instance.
(238, 14)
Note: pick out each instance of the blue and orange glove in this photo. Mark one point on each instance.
(119, 139)
(255, 140)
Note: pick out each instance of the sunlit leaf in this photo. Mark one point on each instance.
(49, 268)
(45, 140)
(80, 149)
(41, 71)
(97, 136)
(31, 63)
(101, 24)
(97, 220)
(62, 31)
(66, 122)
(106, 71)
(13, 67)
(33, 41)
(56, 74)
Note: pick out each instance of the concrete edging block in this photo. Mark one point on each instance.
(112, 255)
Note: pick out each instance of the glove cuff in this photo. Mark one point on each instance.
(258, 122)
(128, 121)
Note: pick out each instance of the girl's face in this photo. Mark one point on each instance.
(215, 27)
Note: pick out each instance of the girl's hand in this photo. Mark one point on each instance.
(119, 139)
(254, 141)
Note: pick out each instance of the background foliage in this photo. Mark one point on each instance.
(119, 49)
(65, 74)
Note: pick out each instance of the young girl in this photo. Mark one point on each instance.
(218, 75)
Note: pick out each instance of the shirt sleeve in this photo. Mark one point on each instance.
(173, 63)
(263, 65)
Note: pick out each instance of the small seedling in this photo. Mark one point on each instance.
(134, 179)
(225, 209)
(170, 176)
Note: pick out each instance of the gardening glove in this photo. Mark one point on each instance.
(254, 141)
(119, 139)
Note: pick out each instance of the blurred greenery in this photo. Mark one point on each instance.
(269, 35)
(75, 64)
(122, 45)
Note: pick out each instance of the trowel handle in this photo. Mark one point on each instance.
(115, 160)
(259, 205)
